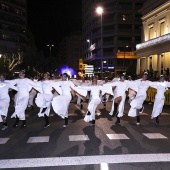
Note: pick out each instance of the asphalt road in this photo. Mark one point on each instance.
(82, 146)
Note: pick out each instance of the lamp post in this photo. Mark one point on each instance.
(99, 11)
(103, 62)
(124, 57)
(88, 41)
(50, 46)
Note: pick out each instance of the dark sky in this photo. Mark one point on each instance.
(52, 20)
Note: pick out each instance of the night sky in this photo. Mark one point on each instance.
(52, 20)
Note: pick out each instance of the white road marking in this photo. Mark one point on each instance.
(3, 140)
(104, 166)
(155, 136)
(116, 136)
(83, 160)
(78, 138)
(39, 139)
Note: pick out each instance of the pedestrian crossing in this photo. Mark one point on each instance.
(79, 138)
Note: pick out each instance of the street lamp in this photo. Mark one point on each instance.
(103, 62)
(124, 58)
(50, 46)
(99, 11)
(88, 51)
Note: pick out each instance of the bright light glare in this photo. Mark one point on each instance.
(99, 10)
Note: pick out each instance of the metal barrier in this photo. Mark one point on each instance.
(151, 92)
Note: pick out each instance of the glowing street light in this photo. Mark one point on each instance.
(99, 11)
(50, 46)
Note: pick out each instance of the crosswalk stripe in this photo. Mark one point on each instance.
(3, 140)
(116, 136)
(78, 137)
(154, 136)
(84, 160)
(39, 139)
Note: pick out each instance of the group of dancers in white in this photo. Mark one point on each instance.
(58, 94)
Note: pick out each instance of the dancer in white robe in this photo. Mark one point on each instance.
(61, 102)
(137, 103)
(43, 100)
(23, 85)
(4, 100)
(161, 87)
(119, 97)
(95, 90)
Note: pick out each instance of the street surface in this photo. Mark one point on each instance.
(82, 146)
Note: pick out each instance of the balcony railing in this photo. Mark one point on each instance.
(159, 40)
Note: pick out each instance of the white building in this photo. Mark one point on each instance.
(154, 51)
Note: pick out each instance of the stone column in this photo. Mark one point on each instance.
(159, 63)
(138, 66)
(146, 63)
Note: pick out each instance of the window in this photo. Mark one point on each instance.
(151, 32)
(162, 28)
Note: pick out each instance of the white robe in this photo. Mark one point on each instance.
(44, 99)
(22, 96)
(137, 102)
(121, 88)
(95, 99)
(159, 97)
(4, 98)
(61, 102)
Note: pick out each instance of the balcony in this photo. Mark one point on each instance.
(155, 41)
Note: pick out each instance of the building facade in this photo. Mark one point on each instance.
(13, 28)
(70, 50)
(109, 39)
(13, 25)
(154, 51)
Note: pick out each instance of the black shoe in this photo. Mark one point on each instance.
(118, 120)
(43, 110)
(157, 120)
(66, 122)
(46, 125)
(114, 113)
(15, 125)
(23, 125)
(141, 110)
(138, 120)
(93, 122)
(88, 113)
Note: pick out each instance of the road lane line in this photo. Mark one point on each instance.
(84, 160)
(104, 166)
(78, 137)
(38, 139)
(154, 136)
(117, 136)
(3, 140)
